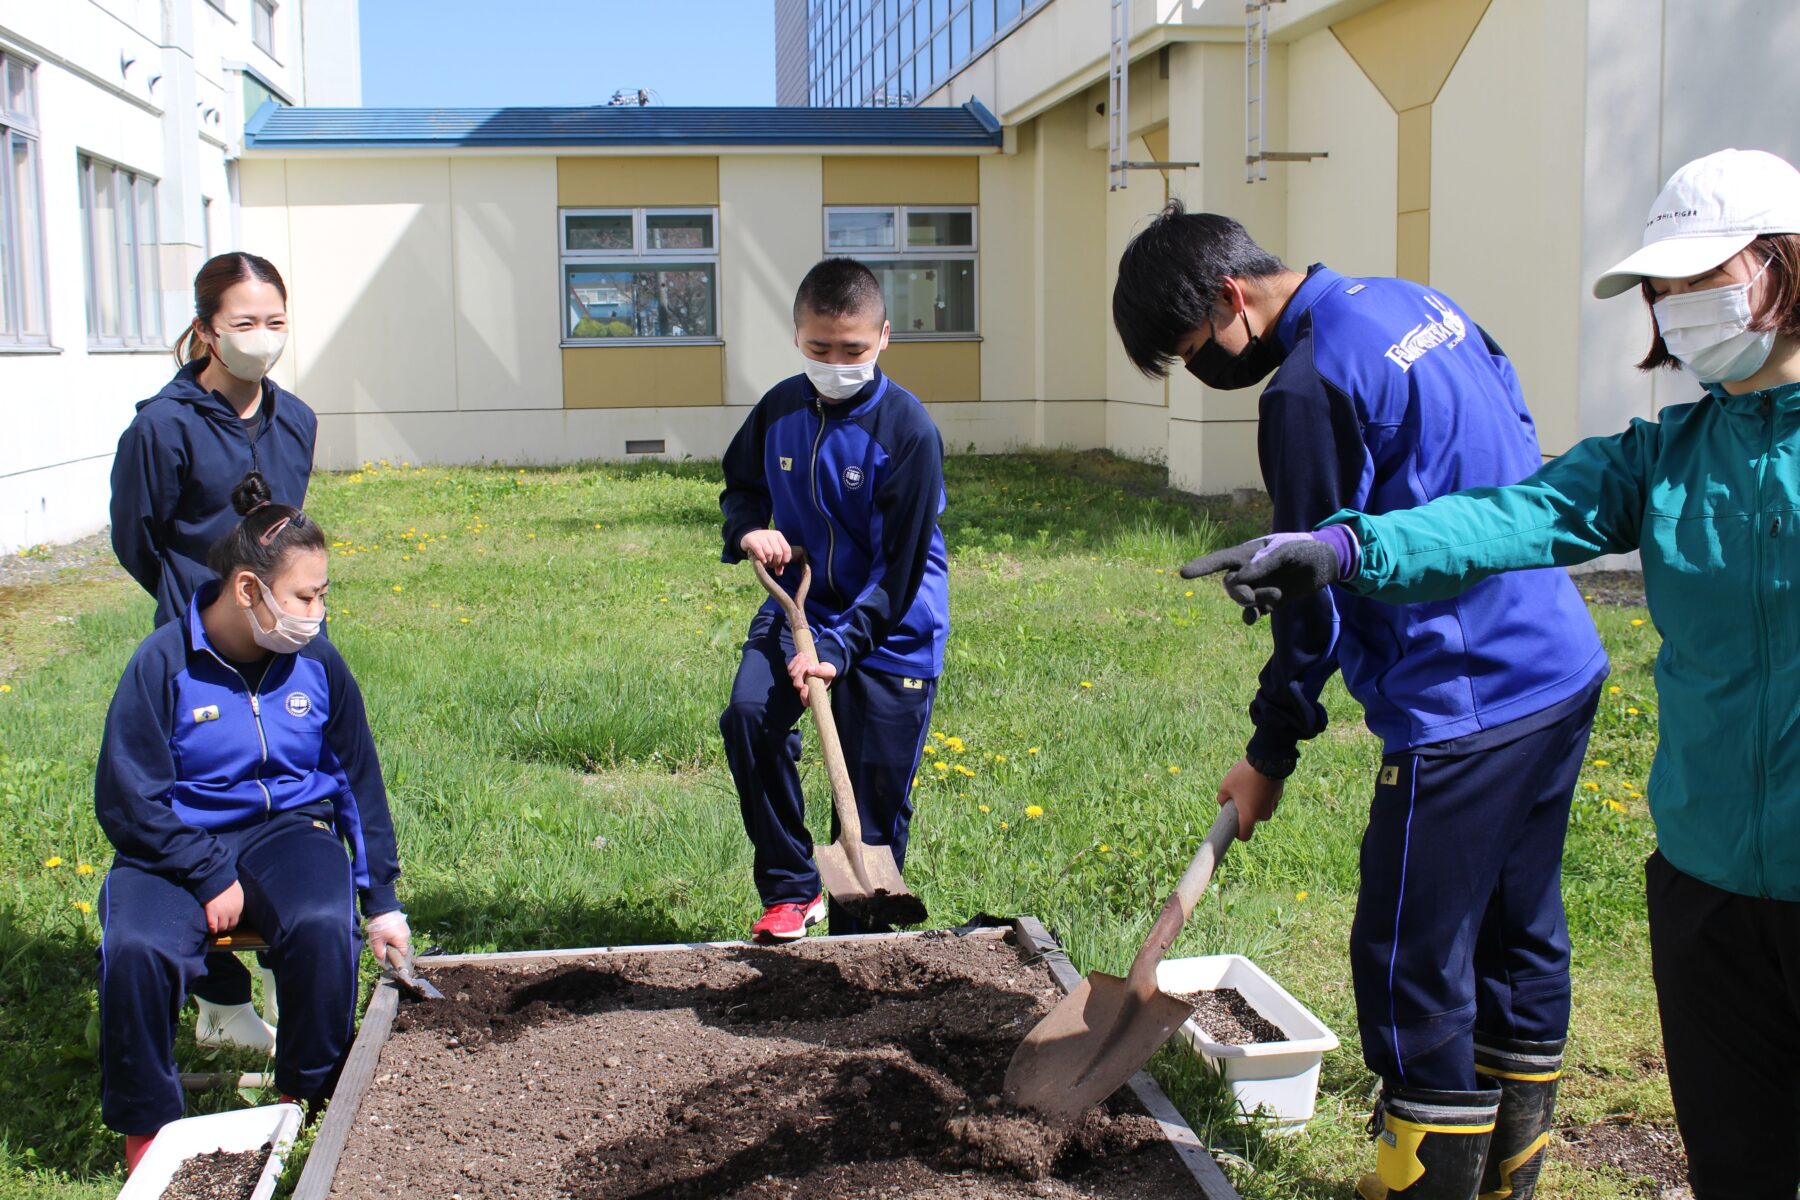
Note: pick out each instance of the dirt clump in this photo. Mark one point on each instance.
(218, 1175)
(825, 1069)
(1652, 1156)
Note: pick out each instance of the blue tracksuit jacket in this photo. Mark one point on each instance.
(195, 745)
(1388, 395)
(172, 478)
(860, 484)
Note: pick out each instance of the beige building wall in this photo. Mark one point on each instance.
(770, 235)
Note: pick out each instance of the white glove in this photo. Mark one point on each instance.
(387, 929)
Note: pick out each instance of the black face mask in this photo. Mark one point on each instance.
(1218, 368)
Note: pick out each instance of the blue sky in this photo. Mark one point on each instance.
(479, 54)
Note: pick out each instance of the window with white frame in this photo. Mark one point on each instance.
(24, 318)
(924, 256)
(640, 274)
(124, 292)
(262, 25)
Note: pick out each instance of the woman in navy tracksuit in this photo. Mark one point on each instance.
(178, 460)
(236, 769)
(845, 462)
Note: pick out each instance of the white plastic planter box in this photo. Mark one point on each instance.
(234, 1132)
(1274, 1082)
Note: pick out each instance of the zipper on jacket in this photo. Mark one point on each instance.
(1759, 800)
(830, 533)
(256, 716)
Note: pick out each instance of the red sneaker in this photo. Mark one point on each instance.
(135, 1146)
(788, 922)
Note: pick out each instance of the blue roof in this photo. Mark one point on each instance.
(282, 128)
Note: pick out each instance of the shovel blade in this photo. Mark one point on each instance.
(1085, 1048)
(864, 881)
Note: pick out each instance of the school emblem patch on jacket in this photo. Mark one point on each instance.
(853, 477)
(298, 704)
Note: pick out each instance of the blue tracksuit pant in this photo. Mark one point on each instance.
(298, 894)
(1459, 925)
(882, 720)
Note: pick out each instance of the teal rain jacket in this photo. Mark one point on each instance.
(1710, 494)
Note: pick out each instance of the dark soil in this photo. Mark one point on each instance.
(820, 1070)
(1619, 589)
(1651, 1156)
(218, 1175)
(1231, 1020)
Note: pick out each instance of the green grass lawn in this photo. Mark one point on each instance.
(545, 654)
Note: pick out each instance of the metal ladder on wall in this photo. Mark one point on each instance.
(1256, 97)
(1118, 105)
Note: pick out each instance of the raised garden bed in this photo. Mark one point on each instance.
(840, 1067)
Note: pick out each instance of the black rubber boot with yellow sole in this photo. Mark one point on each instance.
(1429, 1145)
(1526, 1074)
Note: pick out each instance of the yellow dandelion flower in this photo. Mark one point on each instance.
(662, 599)
(1005, 825)
(1034, 811)
(1636, 621)
(1301, 895)
(5, 687)
(464, 620)
(1615, 806)
(1032, 750)
(1614, 690)
(1189, 594)
(1160, 571)
(406, 558)
(999, 758)
(398, 588)
(941, 766)
(709, 608)
(955, 743)
(1587, 597)
(1105, 849)
(1592, 787)
(596, 524)
(531, 537)
(1174, 770)
(938, 734)
(84, 868)
(1631, 712)
(53, 862)
(984, 808)
(435, 604)
(962, 770)
(1601, 762)
(1087, 683)
(83, 907)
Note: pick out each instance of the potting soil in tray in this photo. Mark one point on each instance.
(1231, 1020)
(218, 1175)
(824, 1069)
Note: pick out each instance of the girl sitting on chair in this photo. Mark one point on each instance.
(238, 781)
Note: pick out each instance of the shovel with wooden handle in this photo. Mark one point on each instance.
(863, 880)
(1107, 1028)
(400, 970)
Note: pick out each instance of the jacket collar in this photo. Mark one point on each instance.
(212, 403)
(865, 398)
(1319, 280)
(1783, 396)
(198, 642)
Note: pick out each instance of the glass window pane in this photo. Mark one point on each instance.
(18, 89)
(1008, 10)
(959, 38)
(26, 228)
(610, 232)
(9, 258)
(859, 230)
(984, 21)
(262, 25)
(639, 301)
(926, 229)
(679, 231)
(149, 281)
(103, 253)
(928, 295)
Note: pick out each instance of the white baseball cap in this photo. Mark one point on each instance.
(1708, 211)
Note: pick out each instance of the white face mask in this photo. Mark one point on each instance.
(839, 381)
(249, 353)
(290, 632)
(1710, 332)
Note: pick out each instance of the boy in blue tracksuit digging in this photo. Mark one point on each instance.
(238, 781)
(1385, 395)
(846, 463)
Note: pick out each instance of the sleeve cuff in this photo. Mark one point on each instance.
(832, 650)
(210, 887)
(379, 899)
(1275, 755)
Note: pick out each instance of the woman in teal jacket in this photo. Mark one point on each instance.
(1709, 494)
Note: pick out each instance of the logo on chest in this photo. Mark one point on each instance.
(787, 464)
(209, 712)
(298, 704)
(853, 477)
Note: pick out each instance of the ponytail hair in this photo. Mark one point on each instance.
(220, 274)
(268, 533)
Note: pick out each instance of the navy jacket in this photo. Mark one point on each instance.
(172, 478)
(195, 745)
(1388, 395)
(860, 484)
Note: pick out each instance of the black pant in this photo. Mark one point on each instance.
(1727, 971)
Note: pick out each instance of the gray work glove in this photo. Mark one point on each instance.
(1268, 572)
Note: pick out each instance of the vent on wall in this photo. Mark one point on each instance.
(644, 446)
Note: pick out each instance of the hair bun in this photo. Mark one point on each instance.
(251, 493)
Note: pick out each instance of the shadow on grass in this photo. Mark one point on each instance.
(49, 1075)
(462, 922)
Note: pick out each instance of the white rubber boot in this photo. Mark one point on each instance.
(233, 1025)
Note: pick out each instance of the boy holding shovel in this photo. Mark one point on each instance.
(846, 463)
(1385, 395)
